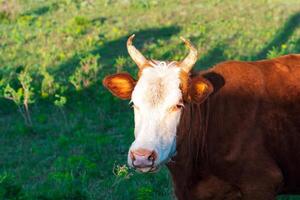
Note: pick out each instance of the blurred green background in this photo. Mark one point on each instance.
(62, 135)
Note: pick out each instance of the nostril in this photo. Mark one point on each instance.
(152, 156)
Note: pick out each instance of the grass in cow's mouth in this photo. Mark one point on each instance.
(72, 141)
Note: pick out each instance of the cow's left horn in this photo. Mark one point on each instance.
(188, 63)
(135, 54)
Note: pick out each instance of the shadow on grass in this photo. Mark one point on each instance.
(216, 54)
(113, 49)
(282, 36)
(38, 11)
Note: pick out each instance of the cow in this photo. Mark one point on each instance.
(229, 132)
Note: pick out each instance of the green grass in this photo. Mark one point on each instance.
(74, 143)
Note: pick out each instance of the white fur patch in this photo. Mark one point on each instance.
(156, 92)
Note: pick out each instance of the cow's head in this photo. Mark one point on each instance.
(158, 97)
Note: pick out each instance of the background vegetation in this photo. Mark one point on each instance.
(62, 136)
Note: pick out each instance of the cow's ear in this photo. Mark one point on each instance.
(120, 85)
(199, 89)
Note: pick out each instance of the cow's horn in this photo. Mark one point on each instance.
(188, 63)
(135, 54)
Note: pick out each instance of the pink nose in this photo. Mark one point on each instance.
(142, 158)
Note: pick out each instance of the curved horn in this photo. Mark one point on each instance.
(190, 60)
(135, 54)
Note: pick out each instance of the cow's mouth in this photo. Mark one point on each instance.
(150, 169)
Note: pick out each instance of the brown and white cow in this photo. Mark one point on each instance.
(231, 132)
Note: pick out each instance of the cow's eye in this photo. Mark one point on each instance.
(176, 107)
(180, 105)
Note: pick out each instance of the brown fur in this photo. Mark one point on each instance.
(243, 141)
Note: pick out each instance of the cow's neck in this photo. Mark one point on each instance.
(191, 146)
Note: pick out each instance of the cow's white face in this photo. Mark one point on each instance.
(157, 101)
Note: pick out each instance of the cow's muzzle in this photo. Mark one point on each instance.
(143, 159)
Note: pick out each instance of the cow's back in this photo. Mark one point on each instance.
(259, 106)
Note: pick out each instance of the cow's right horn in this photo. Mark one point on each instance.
(190, 60)
(135, 54)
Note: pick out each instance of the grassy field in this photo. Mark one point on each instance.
(62, 136)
